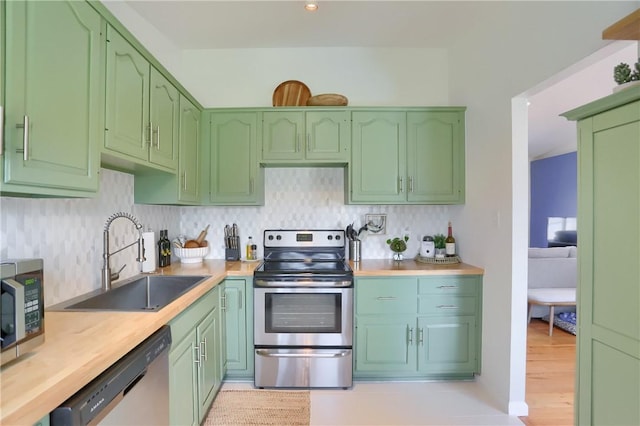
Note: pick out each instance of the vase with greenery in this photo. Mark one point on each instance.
(440, 245)
(398, 245)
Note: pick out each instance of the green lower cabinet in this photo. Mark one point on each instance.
(195, 374)
(384, 347)
(238, 314)
(447, 345)
(417, 327)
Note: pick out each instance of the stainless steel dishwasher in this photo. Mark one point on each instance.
(133, 391)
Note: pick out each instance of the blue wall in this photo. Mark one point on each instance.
(554, 187)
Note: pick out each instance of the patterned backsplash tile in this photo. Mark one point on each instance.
(68, 233)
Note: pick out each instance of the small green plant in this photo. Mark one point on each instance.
(622, 73)
(438, 241)
(397, 244)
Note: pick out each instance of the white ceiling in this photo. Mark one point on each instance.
(216, 24)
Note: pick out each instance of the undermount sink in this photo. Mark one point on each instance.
(141, 293)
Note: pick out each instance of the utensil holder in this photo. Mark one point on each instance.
(354, 250)
(232, 254)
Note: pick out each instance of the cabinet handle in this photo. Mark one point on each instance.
(196, 354)
(25, 138)
(308, 142)
(411, 336)
(386, 298)
(203, 349)
(1, 129)
(149, 137)
(223, 301)
(410, 183)
(400, 187)
(298, 143)
(421, 336)
(447, 287)
(447, 307)
(157, 132)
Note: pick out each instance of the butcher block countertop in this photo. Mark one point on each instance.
(80, 345)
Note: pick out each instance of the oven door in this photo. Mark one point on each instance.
(303, 317)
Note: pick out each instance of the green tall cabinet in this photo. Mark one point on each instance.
(608, 367)
(53, 98)
(231, 169)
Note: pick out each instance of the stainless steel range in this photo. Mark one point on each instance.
(303, 310)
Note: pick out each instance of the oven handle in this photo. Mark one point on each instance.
(302, 283)
(274, 354)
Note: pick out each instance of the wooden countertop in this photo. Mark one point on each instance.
(80, 345)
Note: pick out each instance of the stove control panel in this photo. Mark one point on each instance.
(304, 238)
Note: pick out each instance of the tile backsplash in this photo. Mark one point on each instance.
(68, 233)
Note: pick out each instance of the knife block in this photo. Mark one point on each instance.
(231, 254)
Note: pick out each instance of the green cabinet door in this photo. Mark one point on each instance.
(53, 97)
(385, 344)
(208, 364)
(189, 169)
(164, 115)
(378, 166)
(236, 324)
(183, 377)
(235, 177)
(435, 156)
(447, 345)
(127, 99)
(283, 135)
(328, 136)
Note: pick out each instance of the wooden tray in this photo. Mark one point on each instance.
(328, 99)
(291, 93)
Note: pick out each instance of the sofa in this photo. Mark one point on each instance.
(553, 277)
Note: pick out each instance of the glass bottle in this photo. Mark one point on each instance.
(450, 243)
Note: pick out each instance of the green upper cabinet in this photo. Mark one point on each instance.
(407, 157)
(378, 162)
(435, 156)
(53, 98)
(305, 137)
(233, 174)
(189, 169)
(142, 109)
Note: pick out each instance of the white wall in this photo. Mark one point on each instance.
(369, 77)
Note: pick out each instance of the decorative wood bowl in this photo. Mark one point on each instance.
(328, 99)
(291, 93)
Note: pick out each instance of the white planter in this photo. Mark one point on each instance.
(626, 86)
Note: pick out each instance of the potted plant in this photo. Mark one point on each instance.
(623, 75)
(398, 245)
(440, 245)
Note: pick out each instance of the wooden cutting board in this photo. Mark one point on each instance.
(291, 93)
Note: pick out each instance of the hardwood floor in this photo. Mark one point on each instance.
(551, 363)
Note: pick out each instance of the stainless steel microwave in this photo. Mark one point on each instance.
(22, 307)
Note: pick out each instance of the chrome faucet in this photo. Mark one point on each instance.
(107, 276)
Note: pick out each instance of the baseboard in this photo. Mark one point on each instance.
(518, 408)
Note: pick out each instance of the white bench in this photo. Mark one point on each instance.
(551, 297)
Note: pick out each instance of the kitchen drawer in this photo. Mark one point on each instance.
(446, 305)
(449, 285)
(386, 296)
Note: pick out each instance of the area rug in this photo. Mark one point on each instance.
(259, 407)
(560, 323)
